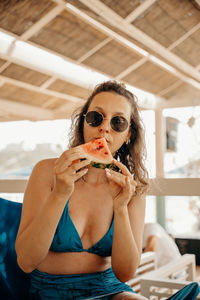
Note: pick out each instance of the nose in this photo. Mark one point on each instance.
(105, 126)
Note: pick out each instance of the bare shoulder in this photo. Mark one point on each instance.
(41, 180)
(39, 187)
(43, 170)
(45, 164)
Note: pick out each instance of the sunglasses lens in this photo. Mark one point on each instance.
(119, 124)
(93, 118)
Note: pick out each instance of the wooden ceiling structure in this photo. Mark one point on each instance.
(153, 45)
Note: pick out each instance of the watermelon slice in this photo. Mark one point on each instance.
(99, 153)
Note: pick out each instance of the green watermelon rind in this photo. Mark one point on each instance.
(104, 166)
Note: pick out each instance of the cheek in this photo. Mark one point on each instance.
(85, 132)
(118, 141)
(88, 132)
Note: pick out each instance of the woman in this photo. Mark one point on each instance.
(68, 208)
(157, 240)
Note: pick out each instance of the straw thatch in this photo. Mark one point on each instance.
(68, 36)
(69, 88)
(22, 95)
(103, 39)
(123, 8)
(19, 16)
(150, 77)
(112, 59)
(24, 74)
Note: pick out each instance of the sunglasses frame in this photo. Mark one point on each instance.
(103, 118)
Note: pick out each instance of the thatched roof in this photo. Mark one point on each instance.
(153, 45)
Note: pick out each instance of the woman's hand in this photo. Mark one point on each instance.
(122, 185)
(68, 169)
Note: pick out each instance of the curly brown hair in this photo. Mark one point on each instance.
(131, 154)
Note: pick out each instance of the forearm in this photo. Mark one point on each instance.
(125, 253)
(34, 242)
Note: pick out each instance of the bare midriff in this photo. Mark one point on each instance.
(73, 263)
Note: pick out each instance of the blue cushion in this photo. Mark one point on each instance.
(14, 283)
(189, 292)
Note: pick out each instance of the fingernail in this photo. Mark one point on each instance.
(108, 172)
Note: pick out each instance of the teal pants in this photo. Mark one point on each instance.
(99, 285)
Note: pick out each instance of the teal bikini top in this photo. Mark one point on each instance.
(67, 239)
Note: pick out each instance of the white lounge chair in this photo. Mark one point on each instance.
(148, 263)
(165, 281)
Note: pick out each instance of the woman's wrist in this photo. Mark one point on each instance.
(59, 195)
(120, 209)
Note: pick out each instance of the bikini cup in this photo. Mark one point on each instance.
(67, 238)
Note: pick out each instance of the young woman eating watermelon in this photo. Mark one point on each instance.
(81, 229)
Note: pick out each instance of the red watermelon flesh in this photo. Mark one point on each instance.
(98, 151)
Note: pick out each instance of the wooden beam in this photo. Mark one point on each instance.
(139, 10)
(160, 142)
(99, 26)
(170, 88)
(48, 82)
(131, 46)
(1, 82)
(158, 186)
(172, 46)
(35, 28)
(25, 110)
(4, 66)
(184, 37)
(76, 81)
(175, 187)
(41, 90)
(39, 67)
(132, 68)
(174, 71)
(132, 16)
(175, 101)
(120, 23)
(94, 50)
(13, 185)
(42, 22)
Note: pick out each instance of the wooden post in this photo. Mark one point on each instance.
(160, 139)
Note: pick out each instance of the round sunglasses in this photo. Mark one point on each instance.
(95, 118)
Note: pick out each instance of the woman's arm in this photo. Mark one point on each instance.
(43, 207)
(127, 238)
(40, 215)
(129, 212)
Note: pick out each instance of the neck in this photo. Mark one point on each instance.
(95, 176)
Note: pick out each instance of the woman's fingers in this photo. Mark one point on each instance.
(120, 179)
(70, 155)
(122, 167)
(74, 167)
(125, 172)
(67, 158)
(79, 174)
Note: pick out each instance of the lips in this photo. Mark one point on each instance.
(100, 137)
